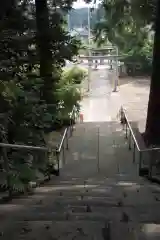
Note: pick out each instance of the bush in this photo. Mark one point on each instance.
(27, 121)
(74, 75)
(138, 67)
(68, 95)
(138, 60)
(138, 64)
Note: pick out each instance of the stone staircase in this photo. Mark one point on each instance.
(98, 195)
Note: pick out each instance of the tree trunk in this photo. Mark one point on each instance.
(44, 46)
(152, 132)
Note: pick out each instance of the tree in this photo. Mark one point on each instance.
(27, 87)
(43, 35)
(124, 28)
(141, 13)
(152, 133)
(22, 111)
(53, 43)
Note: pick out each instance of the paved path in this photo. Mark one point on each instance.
(134, 96)
(95, 107)
(98, 196)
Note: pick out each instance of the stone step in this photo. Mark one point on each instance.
(80, 213)
(80, 201)
(58, 211)
(79, 229)
(68, 230)
(84, 208)
(91, 130)
(67, 183)
(95, 193)
(37, 215)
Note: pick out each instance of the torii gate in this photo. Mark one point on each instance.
(101, 51)
(112, 58)
(96, 57)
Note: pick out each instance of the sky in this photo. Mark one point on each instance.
(81, 4)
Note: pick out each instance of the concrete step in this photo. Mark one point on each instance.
(80, 230)
(71, 215)
(83, 203)
(94, 211)
(68, 230)
(78, 201)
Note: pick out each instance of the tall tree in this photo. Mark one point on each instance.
(152, 132)
(21, 114)
(142, 13)
(44, 47)
(54, 43)
(25, 92)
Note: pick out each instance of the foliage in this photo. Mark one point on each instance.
(124, 27)
(74, 75)
(68, 93)
(31, 59)
(139, 59)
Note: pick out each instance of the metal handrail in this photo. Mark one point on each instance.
(62, 140)
(124, 120)
(67, 133)
(138, 148)
(57, 150)
(6, 160)
(130, 128)
(19, 146)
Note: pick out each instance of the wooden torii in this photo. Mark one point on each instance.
(109, 57)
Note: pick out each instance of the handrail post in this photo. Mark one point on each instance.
(126, 130)
(70, 127)
(63, 154)
(67, 147)
(151, 164)
(57, 156)
(74, 115)
(134, 152)
(6, 164)
(129, 146)
(72, 119)
(47, 155)
(140, 161)
(98, 163)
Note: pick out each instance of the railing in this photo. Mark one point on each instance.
(130, 135)
(64, 141)
(29, 151)
(34, 152)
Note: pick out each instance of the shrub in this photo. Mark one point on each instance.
(26, 122)
(139, 66)
(68, 95)
(138, 59)
(74, 75)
